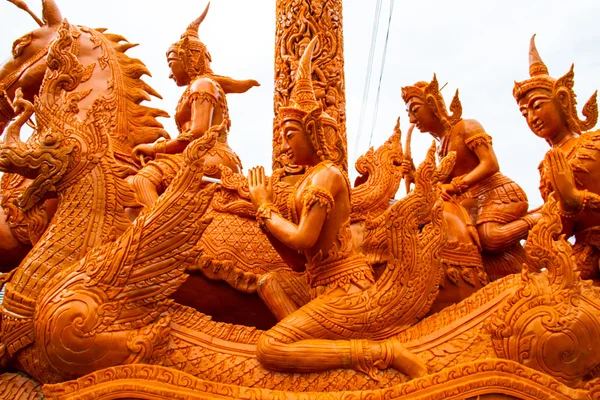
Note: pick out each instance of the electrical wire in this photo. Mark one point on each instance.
(365, 96)
(387, 36)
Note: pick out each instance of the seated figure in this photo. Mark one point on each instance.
(202, 107)
(571, 169)
(318, 229)
(496, 205)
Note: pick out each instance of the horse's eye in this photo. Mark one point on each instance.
(20, 44)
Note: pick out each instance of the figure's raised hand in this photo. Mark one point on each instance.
(143, 152)
(563, 181)
(408, 168)
(448, 190)
(261, 188)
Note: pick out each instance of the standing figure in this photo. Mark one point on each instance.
(318, 228)
(202, 108)
(496, 205)
(571, 169)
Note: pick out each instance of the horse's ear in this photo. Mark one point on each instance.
(50, 13)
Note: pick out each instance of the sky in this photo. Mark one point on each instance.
(479, 47)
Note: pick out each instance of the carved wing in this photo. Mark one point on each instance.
(415, 236)
(131, 278)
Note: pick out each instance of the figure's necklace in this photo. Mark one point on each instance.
(444, 144)
(573, 148)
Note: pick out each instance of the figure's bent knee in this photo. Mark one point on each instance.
(139, 179)
(270, 352)
(493, 238)
(492, 244)
(144, 188)
(139, 182)
(265, 283)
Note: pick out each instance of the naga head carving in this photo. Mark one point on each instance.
(428, 179)
(551, 321)
(25, 67)
(380, 175)
(386, 158)
(541, 85)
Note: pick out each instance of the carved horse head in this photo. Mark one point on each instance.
(26, 66)
(67, 144)
(114, 72)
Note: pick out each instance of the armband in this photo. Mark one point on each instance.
(160, 147)
(478, 139)
(317, 194)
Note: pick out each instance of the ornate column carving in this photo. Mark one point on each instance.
(298, 21)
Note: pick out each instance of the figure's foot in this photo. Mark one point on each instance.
(405, 361)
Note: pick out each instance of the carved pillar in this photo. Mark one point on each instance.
(297, 22)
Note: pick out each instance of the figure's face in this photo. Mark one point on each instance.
(544, 116)
(296, 144)
(302, 47)
(421, 115)
(178, 73)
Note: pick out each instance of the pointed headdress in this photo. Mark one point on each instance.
(430, 94)
(303, 102)
(304, 108)
(192, 52)
(560, 89)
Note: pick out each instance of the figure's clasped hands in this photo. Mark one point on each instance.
(563, 181)
(260, 187)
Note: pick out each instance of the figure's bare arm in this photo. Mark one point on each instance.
(317, 199)
(293, 258)
(480, 143)
(202, 101)
(302, 236)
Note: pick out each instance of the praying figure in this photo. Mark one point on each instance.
(318, 229)
(571, 168)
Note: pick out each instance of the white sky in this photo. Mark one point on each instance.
(480, 47)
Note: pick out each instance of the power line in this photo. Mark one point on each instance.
(365, 95)
(387, 36)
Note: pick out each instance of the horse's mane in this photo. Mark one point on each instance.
(135, 123)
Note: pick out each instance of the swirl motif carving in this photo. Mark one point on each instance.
(552, 323)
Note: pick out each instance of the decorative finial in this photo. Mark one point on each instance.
(303, 94)
(536, 65)
(192, 29)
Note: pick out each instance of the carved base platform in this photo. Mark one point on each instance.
(487, 379)
(18, 386)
